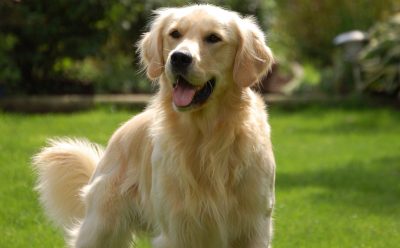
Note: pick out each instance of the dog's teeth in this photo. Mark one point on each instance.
(176, 83)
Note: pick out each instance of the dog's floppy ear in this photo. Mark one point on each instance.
(150, 46)
(253, 57)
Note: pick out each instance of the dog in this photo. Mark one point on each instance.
(196, 168)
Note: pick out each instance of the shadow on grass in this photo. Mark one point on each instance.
(373, 186)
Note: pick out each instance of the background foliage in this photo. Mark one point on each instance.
(78, 46)
(310, 26)
(44, 34)
(380, 59)
(89, 46)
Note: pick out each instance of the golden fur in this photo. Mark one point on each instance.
(199, 178)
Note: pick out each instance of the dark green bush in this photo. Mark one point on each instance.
(69, 46)
(43, 32)
(9, 72)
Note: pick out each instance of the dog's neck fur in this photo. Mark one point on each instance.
(213, 166)
(219, 114)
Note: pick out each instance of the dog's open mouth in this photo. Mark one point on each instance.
(186, 95)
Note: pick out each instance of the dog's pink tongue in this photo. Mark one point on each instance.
(183, 95)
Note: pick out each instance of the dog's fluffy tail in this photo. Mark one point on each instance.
(64, 167)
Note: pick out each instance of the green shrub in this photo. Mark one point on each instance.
(43, 32)
(380, 59)
(71, 46)
(118, 75)
(9, 72)
(307, 27)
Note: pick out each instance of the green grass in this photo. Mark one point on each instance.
(338, 174)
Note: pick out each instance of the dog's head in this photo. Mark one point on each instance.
(202, 50)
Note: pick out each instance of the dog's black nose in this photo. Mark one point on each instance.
(180, 61)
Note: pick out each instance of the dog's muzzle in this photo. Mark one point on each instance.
(187, 96)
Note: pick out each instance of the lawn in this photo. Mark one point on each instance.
(338, 174)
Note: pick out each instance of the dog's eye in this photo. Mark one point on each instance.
(213, 38)
(175, 34)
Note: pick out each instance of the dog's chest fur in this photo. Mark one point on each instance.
(205, 185)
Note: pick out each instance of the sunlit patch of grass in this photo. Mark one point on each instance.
(338, 177)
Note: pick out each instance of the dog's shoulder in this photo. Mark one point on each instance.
(132, 135)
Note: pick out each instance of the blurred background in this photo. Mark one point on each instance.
(88, 47)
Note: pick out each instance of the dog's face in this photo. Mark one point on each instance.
(203, 50)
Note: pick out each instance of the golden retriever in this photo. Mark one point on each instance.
(196, 168)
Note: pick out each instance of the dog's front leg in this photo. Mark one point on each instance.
(108, 219)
